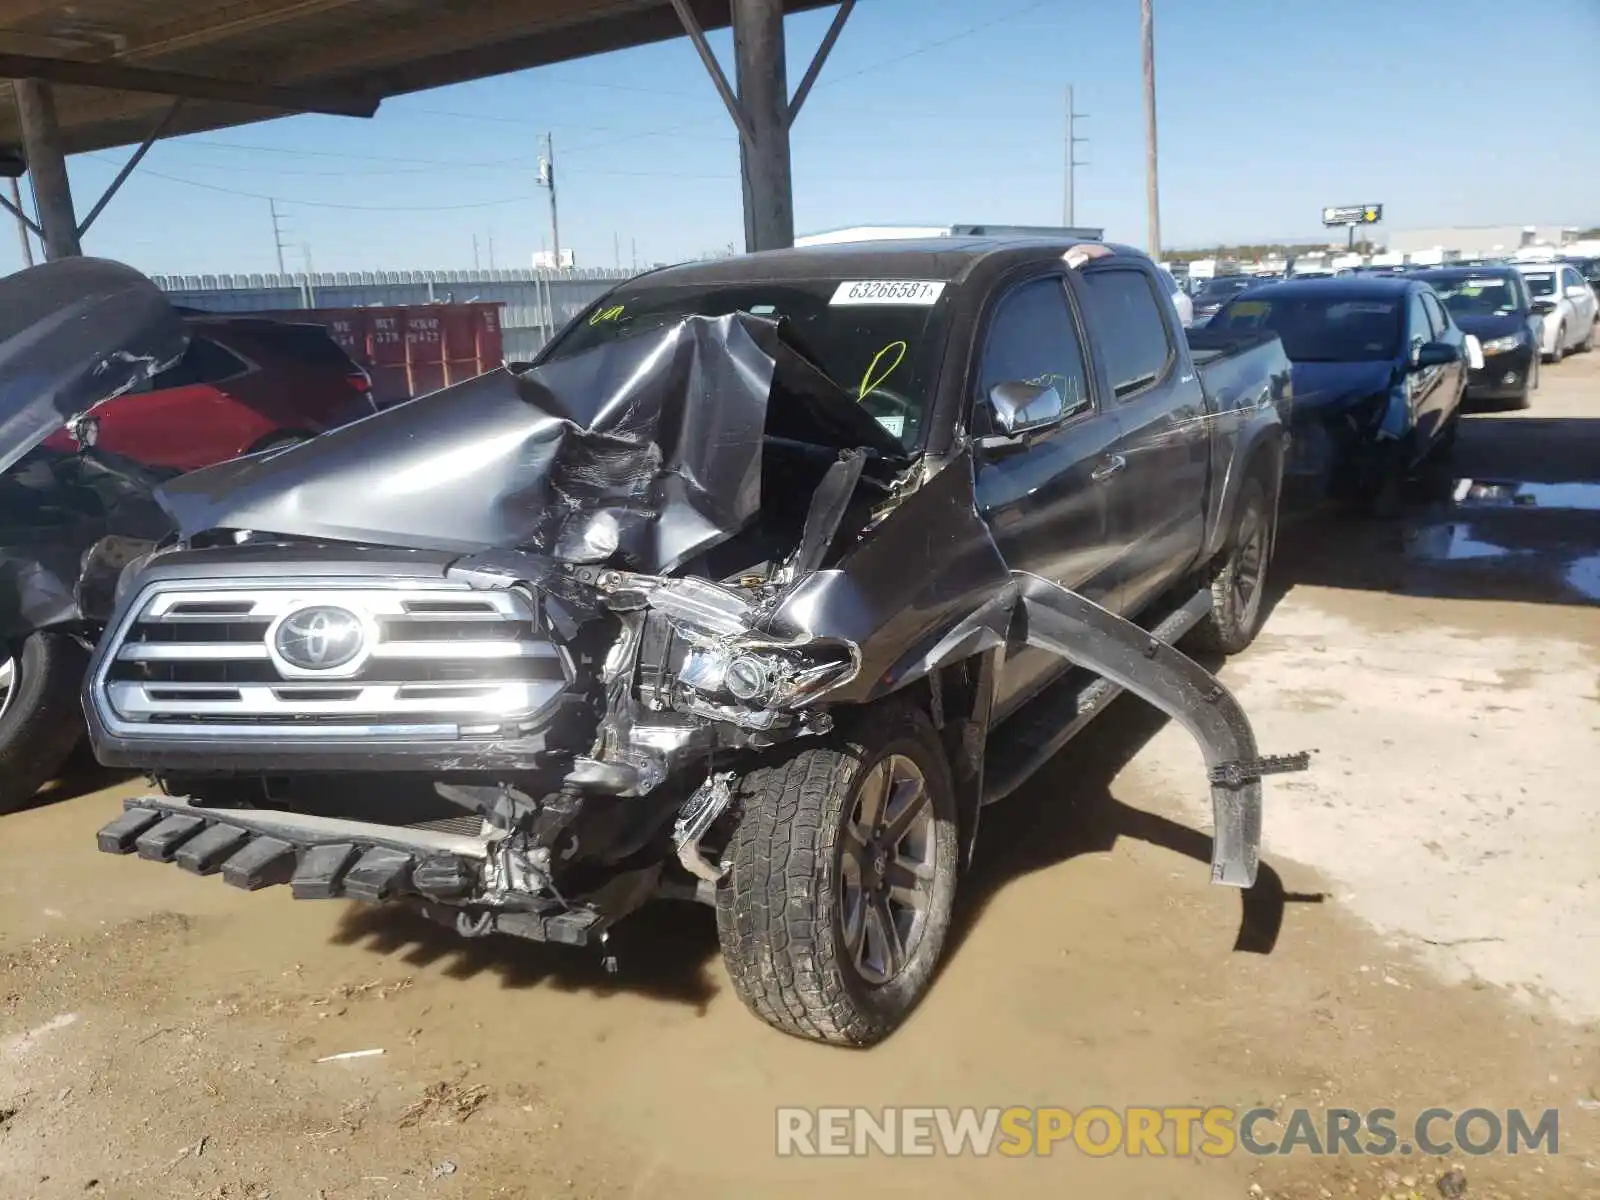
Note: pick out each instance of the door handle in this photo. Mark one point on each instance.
(1107, 469)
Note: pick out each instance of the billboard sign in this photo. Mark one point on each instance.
(1353, 214)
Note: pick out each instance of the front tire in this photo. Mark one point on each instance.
(835, 908)
(40, 721)
(1560, 348)
(1238, 583)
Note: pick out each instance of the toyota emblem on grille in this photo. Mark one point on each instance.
(321, 638)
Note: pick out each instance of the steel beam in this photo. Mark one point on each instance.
(762, 76)
(819, 58)
(115, 185)
(697, 35)
(119, 77)
(47, 167)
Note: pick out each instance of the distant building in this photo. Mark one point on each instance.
(543, 260)
(1478, 241)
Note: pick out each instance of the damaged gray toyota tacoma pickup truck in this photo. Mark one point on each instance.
(756, 586)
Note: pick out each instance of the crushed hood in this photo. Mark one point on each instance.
(1332, 386)
(647, 449)
(72, 334)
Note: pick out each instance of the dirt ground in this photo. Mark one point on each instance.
(1425, 932)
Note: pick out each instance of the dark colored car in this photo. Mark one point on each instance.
(86, 434)
(1493, 305)
(1379, 371)
(752, 589)
(243, 384)
(71, 334)
(1214, 293)
(1589, 268)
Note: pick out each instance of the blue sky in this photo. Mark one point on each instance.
(928, 111)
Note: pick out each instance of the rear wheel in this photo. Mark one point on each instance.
(40, 722)
(834, 912)
(1238, 583)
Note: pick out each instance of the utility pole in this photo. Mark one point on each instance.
(1069, 209)
(547, 179)
(22, 226)
(1147, 21)
(475, 252)
(491, 249)
(277, 234)
(635, 248)
(616, 249)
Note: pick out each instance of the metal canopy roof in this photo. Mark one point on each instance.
(238, 61)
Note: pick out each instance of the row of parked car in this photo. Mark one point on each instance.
(1520, 314)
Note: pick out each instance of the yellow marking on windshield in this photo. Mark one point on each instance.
(876, 378)
(614, 313)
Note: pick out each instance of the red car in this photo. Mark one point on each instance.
(243, 385)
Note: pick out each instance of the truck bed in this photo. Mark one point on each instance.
(1229, 360)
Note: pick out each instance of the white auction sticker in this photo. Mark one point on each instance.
(921, 292)
(895, 426)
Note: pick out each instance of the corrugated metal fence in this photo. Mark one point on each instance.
(535, 302)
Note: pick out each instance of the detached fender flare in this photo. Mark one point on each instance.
(1077, 629)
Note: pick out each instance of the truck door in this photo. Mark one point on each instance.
(1157, 498)
(1045, 502)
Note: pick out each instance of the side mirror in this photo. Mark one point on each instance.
(1435, 354)
(1578, 291)
(1543, 307)
(1021, 408)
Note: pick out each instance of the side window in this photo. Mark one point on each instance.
(1572, 278)
(1129, 318)
(203, 362)
(1417, 329)
(1437, 319)
(1033, 339)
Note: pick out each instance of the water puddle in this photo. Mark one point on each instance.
(1453, 543)
(1583, 576)
(1497, 493)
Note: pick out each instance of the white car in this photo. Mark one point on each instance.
(1180, 298)
(1567, 303)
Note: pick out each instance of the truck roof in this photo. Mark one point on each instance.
(939, 258)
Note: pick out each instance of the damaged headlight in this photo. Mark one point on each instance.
(764, 675)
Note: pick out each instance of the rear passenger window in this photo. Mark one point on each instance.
(1033, 339)
(1130, 320)
(203, 362)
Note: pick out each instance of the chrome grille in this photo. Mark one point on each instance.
(436, 662)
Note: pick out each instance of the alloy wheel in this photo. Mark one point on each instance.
(8, 679)
(888, 863)
(1248, 567)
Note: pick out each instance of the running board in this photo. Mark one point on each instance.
(1036, 734)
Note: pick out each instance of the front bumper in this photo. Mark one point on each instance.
(1503, 376)
(1331, 456)
(324, 858)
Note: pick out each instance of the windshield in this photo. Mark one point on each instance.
(1542, 283)
(1221, 289)
(1321, 328)
(874, 338)
(1477, 295)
